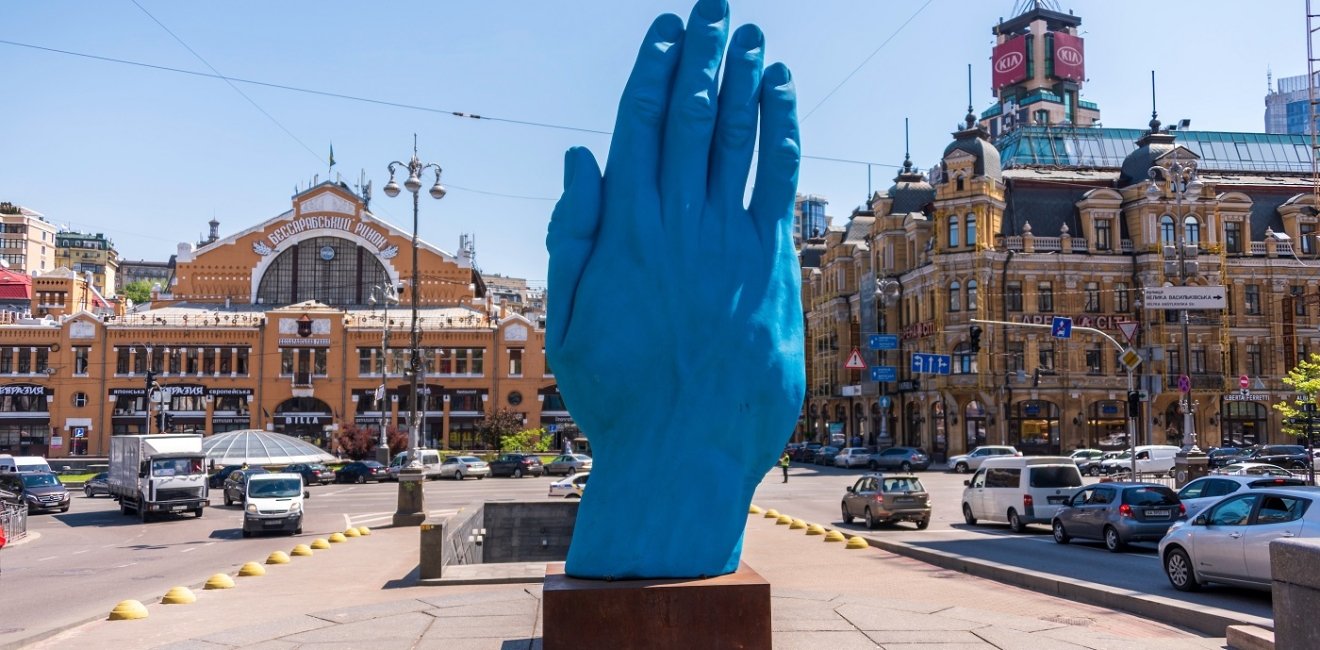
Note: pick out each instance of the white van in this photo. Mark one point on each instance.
(274, 502)
(1151, 459)
(430, 464)
(23, 464)
(1020, 490)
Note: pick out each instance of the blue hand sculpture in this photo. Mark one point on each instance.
(675, 323)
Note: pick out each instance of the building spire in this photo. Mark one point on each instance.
(971, 117)
(907, 149)
(1154, 117)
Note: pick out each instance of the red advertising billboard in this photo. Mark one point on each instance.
(1009, 62)
(1069, 62)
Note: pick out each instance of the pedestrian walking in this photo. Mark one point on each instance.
(783, 464)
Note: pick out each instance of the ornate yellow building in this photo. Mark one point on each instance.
(280, 327)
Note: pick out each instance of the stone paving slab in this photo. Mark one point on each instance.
(365, 612)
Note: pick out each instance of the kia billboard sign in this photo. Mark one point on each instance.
(1068, 60)
(1009, 62)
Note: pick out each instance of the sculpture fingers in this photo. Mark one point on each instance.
(780, 155)
(571, 239)
(735, 128)
(690, 119)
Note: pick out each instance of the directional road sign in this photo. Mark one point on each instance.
(855, 361)
(883, 341)
(1183, 298)
(884, 373)
(884, 401)
(1061, 327)
(931, 364)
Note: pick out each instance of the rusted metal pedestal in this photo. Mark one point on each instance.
(729, 611)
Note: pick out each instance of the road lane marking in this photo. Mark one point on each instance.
(82, 551)
(189, 549)
(125, 565)
(46, 558)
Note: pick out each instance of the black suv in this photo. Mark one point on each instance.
(517, 465)
(39, 490)
(1285, 456)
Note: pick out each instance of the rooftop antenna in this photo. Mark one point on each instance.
(1154, 118)
(1269, 80)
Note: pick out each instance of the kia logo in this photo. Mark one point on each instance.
(1069, 55)
(1008, 62)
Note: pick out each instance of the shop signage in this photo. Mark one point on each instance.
(919, 330)
(229, 420)
(302, 418)
(128, 392)
(1069, 62)
(224, 392)
(188, 390)
(23, 390)
(1095, 321)
(1009, 60)
(1245, 397)
(345, 224)
(305, 342)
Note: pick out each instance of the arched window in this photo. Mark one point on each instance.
(971, 230)
(955, 296)
(1167, 234)
(971, 295)
(1191, 230)
(954, 237)
(329, 270)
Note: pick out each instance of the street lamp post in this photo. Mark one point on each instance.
(411, 510)
(1180, 179)
(388, 294)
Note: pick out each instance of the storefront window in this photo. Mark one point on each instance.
(1034, 427)
(1106, 425)
(1244, 424)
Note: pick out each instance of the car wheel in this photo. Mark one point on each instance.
(361, 479)
(1060, 535)
(517, 473)
(967, 515)
(906, 466)
(297, 531)
(1112, 541)
(871, 523)
(1094, 471)
(1015, 522)
(246, 533)
(87, 492)
(199, 512)
(961, 468)
(847, 518)
(228, 501)
(922, 524)
(458, 476)
(64, 509)
(1178, 567)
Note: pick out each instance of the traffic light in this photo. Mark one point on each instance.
(1134, 404)
(167, 422)
(976, 339)
(151, 380)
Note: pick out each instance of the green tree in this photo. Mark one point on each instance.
(139, 292)
(1305, 379)
(533, 440)
(502, 422)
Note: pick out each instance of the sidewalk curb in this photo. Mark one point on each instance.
(1213, 621)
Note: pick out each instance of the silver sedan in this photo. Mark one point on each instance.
(567, 464)
(461, 467)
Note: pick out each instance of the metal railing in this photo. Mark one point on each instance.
(13, 518)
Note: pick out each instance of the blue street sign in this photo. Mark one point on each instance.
(931, 364)
(1061, 327)
(883, 342)
(884, 373)
(884, 402)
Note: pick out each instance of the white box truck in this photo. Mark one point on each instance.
(158, 473)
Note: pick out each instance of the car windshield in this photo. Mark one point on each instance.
(1055, 477)
(902, 484)
(33, 468)
(176, 466)
(316, 467)
(275, 488)
(40, 480)
(1151, 495)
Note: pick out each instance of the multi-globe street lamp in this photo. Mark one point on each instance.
(414, 184)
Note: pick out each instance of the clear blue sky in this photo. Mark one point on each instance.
(148, 156)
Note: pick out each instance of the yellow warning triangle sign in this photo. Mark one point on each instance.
(855, 361)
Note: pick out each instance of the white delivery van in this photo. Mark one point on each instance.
(430, 459)
(23, 464)
(1020, 490)
(274, 502)
(1151, 459)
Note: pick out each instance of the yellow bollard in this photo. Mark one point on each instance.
(771, 514)
(351, 532)
(856, 542)
(797, 524)
(320, 544)
(754, 510)
(278, 557)
(815, 529)
(783, 520)
(128, 610)
(336, 538)
(301, 550)
(178, 596)
(252, 569)
(834, 536)
(220, 581)
(364, 531)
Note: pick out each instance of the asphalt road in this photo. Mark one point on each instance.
(814, 494)
(80, 563)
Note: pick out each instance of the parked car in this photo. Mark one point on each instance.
(971, 462)
(235, 486)
(568, 464)
(1118, 514)
(825, 455)
(1252, 469)
(904, 459)
(361, 471)
(99, 484)
(461, 467)
(885, 498)
(1206, 490)
(217, 480)
(1092, 467)
(1020, 490)
(312, 473)
(1285, 456)
(517, 466)
(1081, 456)
(571, 486)
(1151, 459)
(805, 453)
(852, 457)
(429, 458)
(1229, 541)
(1222, 456)
(39, 490)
